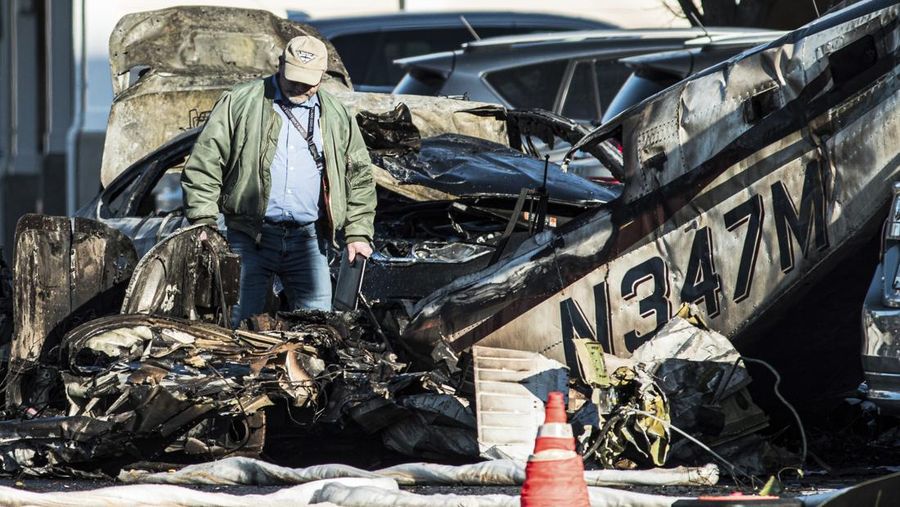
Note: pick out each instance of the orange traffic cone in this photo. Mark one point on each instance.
(554, 474)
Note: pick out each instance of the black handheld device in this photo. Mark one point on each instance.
(349, 281)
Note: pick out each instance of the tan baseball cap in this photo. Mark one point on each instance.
(305, 60)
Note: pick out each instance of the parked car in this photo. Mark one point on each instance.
(655, 72)
(575, 74)
(881, 319)
(369, 44)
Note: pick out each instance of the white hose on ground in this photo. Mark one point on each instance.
(247, 471)
(679, 476)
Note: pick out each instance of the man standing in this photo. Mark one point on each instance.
(287, 166)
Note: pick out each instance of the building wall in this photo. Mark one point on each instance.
(36, 98)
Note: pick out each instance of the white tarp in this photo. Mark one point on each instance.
(248, 471)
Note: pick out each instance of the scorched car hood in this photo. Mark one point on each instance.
(169, 66)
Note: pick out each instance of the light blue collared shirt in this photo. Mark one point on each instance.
(296, 181)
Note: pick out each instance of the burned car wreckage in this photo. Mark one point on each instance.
(498, 276)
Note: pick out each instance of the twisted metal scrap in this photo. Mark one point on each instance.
(628, 436)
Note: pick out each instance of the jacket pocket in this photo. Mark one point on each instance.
(227, 204)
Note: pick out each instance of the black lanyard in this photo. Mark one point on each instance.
(307, 133)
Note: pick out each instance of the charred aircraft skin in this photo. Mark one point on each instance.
(145, 387)
(173, 279)
(727, 203)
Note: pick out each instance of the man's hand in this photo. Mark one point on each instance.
(358, 248)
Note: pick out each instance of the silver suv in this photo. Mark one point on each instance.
(574, 74)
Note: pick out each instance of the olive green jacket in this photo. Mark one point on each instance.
(228, 170)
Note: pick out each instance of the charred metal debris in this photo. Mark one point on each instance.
(118, 359)
(162, 380)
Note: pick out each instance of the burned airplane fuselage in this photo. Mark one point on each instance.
(739, 183)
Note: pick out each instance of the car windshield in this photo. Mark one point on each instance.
(529, 86)
(149, 189)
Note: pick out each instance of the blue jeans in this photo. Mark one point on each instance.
(296, 256)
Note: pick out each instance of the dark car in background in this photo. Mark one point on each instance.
(368, 45)
(574, 74)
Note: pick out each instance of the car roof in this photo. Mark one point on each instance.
(513, 42)
(331, 27)
(738, 39)
(498, 52)
(700, 53)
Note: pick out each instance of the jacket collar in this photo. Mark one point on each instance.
(272, 82)
(269, 88)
